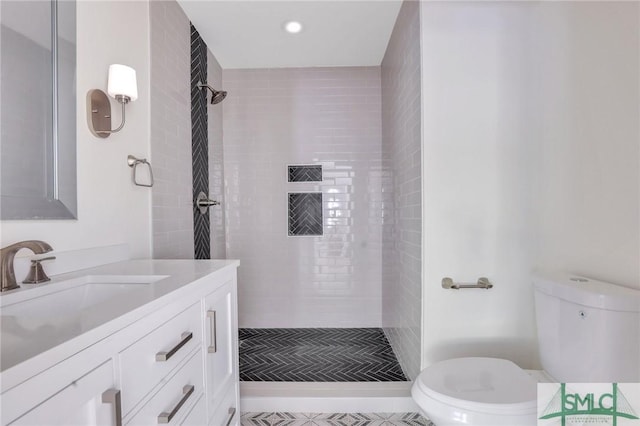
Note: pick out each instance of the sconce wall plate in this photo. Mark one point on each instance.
(99, 113)
(123, 87)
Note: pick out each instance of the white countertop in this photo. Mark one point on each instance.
(25, 335)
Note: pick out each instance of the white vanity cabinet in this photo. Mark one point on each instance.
(221, 344)
(174, 363)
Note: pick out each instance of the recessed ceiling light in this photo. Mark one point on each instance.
(293, 27)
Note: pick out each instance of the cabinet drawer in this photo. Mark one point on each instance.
(227, 412)
(198, 415)
(46, 385)
(176, 397)
(78, 403)
(146, 362)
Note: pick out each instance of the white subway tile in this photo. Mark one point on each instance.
(402, 229)
(310, 116)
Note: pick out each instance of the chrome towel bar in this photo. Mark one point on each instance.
(482, 283)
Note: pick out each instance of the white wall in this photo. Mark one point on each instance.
(111, 209)
(587, 190)
(530, 161)
(475, 179)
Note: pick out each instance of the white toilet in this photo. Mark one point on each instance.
(588, 331)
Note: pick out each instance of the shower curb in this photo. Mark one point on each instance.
(327, 397)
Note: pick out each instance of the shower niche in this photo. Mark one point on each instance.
(305, 173)
(305, 214)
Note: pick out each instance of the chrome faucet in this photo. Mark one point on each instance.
(7, 254)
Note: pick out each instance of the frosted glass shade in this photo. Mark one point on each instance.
(122, 81)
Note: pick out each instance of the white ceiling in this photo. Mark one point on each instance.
(249, 34)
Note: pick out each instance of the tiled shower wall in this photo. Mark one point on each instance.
(171, 137)
(171, 131)
(401, 145)
(216, 163)
(329, 116)
(171, 157)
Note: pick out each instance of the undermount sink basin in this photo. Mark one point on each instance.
(66, 297)
(44, 315)
(92, 293)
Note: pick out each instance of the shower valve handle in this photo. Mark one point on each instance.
(203, 202)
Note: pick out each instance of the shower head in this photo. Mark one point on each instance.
(217, 96)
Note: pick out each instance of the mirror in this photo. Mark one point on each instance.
(37, 110)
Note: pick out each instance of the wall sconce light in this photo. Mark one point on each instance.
(123, 88)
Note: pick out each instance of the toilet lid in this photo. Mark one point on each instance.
(489, 385)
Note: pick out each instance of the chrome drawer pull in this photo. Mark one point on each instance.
(112, 396)
(232, 412)
(213, 348)
(165, 417)
(164, 356)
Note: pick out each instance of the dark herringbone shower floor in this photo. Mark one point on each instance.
(317, 355)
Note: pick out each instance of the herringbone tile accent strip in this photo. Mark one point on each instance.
(199, 144)
(317, 355)
(333, 419)
(311, 173)
(305, 213)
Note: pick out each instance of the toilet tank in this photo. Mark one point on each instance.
(588, 330)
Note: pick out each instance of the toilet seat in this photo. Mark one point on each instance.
(482, 385)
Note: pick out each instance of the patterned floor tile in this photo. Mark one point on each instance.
(317, 355)
(334, 419)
